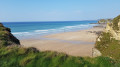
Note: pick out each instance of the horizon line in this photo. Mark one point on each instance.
(46, 21)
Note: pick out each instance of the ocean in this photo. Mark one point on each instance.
(24, 30)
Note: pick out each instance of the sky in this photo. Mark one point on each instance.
(57, 10)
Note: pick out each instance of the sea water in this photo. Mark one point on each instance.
(36, 29)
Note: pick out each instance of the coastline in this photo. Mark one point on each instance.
(78, 43)
(25, 30)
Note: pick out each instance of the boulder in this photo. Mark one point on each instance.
(96, 52)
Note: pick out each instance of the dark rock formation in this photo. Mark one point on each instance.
(6, 38)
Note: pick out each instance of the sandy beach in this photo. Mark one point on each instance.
(78, 43)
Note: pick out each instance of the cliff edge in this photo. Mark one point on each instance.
(6, 38)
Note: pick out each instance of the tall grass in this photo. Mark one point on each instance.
(29, 57)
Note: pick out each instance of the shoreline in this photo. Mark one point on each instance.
(78, 43)
(28, 34)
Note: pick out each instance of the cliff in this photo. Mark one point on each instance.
(115, 33)
(108, 43)
(6, 38)
(104, 21)
(114, 28)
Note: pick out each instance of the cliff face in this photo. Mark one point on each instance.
(6, 38)
(108, 43)
(115, 33)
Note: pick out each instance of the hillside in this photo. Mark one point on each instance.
(108, 43)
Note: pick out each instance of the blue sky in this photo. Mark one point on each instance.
(57, 10)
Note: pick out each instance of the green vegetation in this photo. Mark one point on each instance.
(30, 57)
(108, 46)
(115, 23)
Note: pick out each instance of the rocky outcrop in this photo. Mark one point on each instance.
(6, 38)
(108, 42)
(104, 21)
(115, 33)
(96, 52)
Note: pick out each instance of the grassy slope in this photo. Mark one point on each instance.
(108, 46)
(30, 57)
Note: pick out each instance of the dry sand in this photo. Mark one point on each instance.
(79, 43)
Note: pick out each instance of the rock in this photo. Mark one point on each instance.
(115, 33)
(96, 52)
(104, 21)
(1, 25)
(6, 38)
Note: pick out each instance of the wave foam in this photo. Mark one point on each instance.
(57, 30)
(20, 33)
(40, 30)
